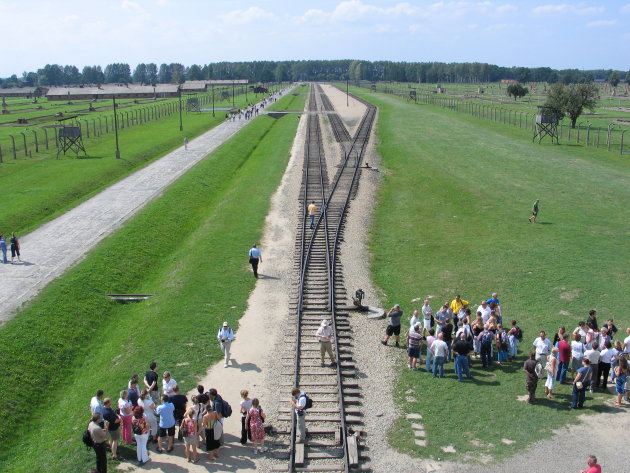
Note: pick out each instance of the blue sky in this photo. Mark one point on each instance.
(558, 34)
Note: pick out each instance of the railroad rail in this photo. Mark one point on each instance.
(331, 443)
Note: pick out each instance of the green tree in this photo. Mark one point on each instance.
(571, 100)
(517, 90)
(613, 79)
(628, 77)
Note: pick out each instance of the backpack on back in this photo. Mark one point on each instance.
(518, 333)
(309, 401)
(487, 337)
(226, 409)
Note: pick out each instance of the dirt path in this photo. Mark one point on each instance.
(59, 244)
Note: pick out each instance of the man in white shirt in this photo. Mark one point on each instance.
(225, 337)
(593, 355)
(298, 403)
(168, 383)
(485, 310)
(577, 353)
(415, 320)
(543, 347)
(96, 403)
(626, 342)
(325, 335)
(427, 313)
(439, 349)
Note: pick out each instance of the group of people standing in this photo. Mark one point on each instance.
(144, 414)
(454, 333)
(14, 245)
(590, 353)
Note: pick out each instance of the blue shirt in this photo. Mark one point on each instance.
(496, 301)
(225, 333)
(254, 253)
(166, 412)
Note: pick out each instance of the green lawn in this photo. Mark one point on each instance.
(189, 249)
(452, 219)
(39, 189)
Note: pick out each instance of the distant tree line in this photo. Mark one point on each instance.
(313, 70)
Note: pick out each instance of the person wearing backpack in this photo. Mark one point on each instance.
(221, 407)
(298, 403)
(99, 439)
(486, 338)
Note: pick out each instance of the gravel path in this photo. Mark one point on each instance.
(59, 244)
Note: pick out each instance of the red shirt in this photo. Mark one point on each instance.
(565, 351)
(595, 469)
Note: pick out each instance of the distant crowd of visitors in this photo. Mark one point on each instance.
(589, 353)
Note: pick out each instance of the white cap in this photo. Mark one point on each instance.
(225, 324)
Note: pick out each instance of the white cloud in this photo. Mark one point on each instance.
(354, 10)
(547, 9)
(66, 20)
(129, 5)
(625, 9)
(506, 8)
(601, 23)
(251, 15)
(314, 16)
(563, 8)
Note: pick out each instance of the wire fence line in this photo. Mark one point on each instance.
(610, 137)
(40, 139)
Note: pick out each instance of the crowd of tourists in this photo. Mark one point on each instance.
(589, 353)
(252, 111)
(145, 415)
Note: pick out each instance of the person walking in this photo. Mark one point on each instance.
(99, 438)
(141, 433)
(580, 384)
(225, 337)
(298, 403)
(3, 249)
(531, 377)
(393, 326)
(254, 422)
(325, 334)
(166, 411)
(255, 257)
(15, 248)
(188, 428)
(535, 209)
(312, 210)
(552, 368)
(185, 142)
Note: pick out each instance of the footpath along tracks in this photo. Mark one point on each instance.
(335, 418)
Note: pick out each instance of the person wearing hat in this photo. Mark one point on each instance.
(225, 337)
(325, 335)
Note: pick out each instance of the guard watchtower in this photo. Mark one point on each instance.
(69, 137)
(546, 123)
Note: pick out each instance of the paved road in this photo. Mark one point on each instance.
(59, 244)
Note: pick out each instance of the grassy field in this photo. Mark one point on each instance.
(452, 219)
(38, 189)
(189, 249)
(295, 101)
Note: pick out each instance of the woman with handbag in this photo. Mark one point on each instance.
(551, 367)
(188, 428)
(213, 442)
(580, 384)
(126, 409)
(621, 375)
(254, 422)
(140, 428)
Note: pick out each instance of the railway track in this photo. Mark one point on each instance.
(335, 418)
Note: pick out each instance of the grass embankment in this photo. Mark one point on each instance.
(452, 219)
(189, 248)
(294, 101)
(39, 189)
